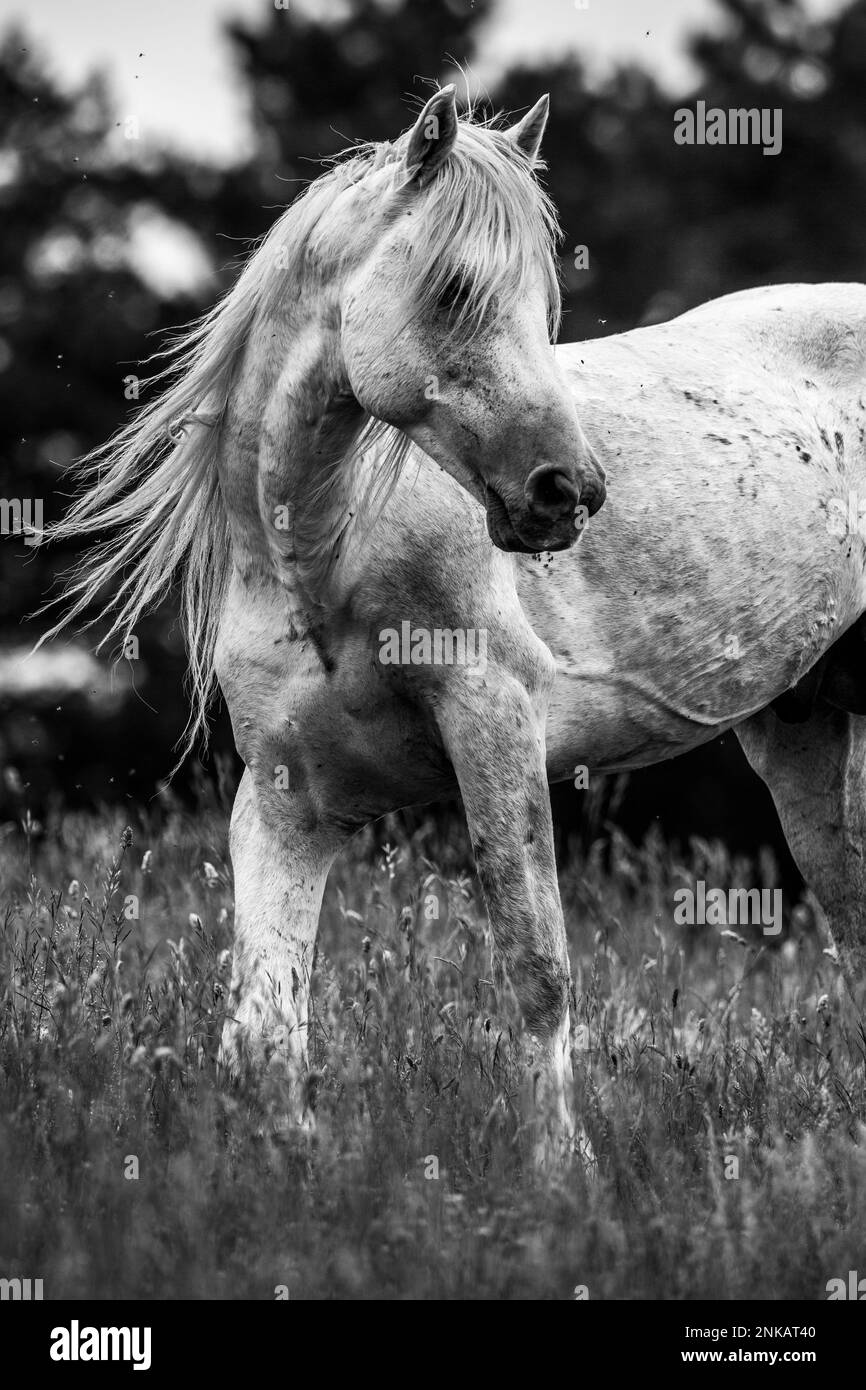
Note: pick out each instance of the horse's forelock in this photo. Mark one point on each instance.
(484, 218)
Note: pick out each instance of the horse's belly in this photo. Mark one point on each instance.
(608, 725)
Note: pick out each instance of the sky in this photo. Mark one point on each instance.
(170, 66)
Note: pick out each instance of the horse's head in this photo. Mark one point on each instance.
(447, 308)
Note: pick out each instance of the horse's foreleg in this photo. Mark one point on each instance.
(494, 736)
(281, 854)
(816, 773)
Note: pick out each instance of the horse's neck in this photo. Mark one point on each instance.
(288, 485)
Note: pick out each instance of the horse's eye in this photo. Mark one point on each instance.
(453, 294)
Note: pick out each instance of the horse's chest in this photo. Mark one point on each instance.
(365, 749)
(353, 744)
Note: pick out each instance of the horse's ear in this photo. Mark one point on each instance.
(433, 136)
(527, 134)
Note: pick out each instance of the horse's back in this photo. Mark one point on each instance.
(817, 331)
(819, 328)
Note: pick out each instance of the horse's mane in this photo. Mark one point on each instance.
(482, 218)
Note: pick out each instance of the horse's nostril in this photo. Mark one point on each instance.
(550, 490)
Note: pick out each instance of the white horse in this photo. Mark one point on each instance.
(398, 314)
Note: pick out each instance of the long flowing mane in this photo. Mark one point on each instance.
(482, 220)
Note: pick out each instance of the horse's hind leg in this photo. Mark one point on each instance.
(816, 773)
(281, 853)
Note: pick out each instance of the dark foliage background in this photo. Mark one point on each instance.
(667, 227)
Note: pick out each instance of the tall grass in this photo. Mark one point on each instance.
(698, 1054)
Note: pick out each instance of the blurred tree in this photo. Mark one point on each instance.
(316, 86)
(74, 314)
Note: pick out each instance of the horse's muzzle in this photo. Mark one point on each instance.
(553, 513)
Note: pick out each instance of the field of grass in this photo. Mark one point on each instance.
(720, 1079)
